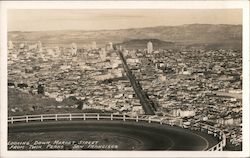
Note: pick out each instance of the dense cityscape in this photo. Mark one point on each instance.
(194, 85)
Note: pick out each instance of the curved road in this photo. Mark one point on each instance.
(126, 135)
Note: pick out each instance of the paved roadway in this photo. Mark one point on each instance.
(128, 135)
(144, 100)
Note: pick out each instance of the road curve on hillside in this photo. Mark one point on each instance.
(127, 135)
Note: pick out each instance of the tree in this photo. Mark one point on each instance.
(40, 89)
(80, 104)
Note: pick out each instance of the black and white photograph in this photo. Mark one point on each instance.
(108, 79)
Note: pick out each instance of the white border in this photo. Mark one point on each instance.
(123, 5)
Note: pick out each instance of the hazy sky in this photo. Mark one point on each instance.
(42, 20)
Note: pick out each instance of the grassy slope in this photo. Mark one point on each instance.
(28, 104)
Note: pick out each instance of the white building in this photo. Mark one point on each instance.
(103, 54)
(133, 60)
(39, 46)
(150, 47)
(109, 46)
(21, 46)
(73, 49)
(185, 71)
(183, 113)
(187, 113)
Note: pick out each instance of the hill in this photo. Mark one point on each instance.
(142, 43)
(205, 35)
(22, 103)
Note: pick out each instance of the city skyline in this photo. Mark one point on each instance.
(49, 20)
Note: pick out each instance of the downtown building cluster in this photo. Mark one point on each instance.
(92, 75)
(194, 85)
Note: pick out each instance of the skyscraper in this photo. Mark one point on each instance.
(73, 49)
(103, 54)
(39, 46)
(150, 47)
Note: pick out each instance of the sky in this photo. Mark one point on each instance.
(44, 20)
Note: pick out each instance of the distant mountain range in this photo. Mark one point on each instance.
(192, 35)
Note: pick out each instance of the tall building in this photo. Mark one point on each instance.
(103, 54)
(150, 47)
(109, 46)
(39, 46)
(73, 49)
(120, 48)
